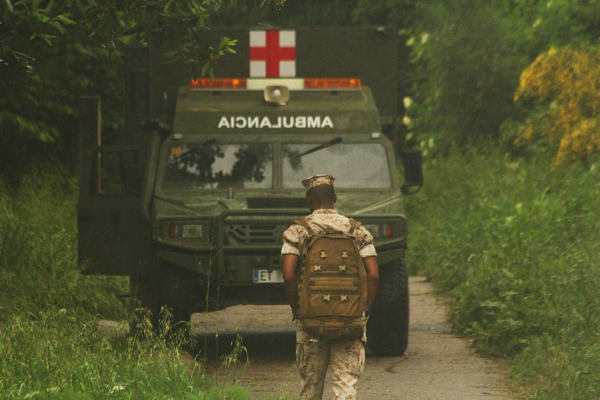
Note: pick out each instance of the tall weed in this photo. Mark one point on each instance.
(38, 252)
(50, 346)
(516, 248)
(63, 356)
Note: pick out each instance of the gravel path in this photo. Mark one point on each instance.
(437, 364)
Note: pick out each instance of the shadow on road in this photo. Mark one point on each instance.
(269, 345)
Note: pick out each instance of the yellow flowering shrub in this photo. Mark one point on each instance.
(568, 80)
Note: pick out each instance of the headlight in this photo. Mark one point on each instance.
(373, 229)
(378, 231)
(191, 231)
(186, 231)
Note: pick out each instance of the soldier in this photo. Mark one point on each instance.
(314, 355)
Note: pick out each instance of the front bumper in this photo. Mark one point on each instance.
(242, 241)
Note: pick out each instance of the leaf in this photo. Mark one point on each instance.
(65, 19)
(205, 68)
(57, 26)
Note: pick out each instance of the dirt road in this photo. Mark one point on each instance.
(437, 365)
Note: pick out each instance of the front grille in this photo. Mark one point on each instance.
(247, 234)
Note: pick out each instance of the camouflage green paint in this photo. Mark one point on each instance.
(129, 234)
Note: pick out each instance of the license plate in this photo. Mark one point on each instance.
(264, 276)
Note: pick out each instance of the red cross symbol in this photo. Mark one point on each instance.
(272, 54)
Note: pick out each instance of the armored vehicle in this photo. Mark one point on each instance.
(192, 202)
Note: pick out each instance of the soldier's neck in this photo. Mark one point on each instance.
(322, 207)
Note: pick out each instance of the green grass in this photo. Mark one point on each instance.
(62, 355)
(38, 253)
(516, 248)
(50, 347)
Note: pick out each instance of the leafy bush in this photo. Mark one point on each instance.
(516, 249)
(567, 82)
(467, 68)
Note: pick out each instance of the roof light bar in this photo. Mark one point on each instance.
(332, 83)
(205, 83)
(261, 84)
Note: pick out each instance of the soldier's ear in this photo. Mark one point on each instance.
(334, 198)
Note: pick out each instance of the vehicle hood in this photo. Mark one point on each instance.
(202, 205)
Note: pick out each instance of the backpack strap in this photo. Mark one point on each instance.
(353, 225)
(304, 223)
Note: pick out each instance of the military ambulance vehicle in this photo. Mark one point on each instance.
(193, 201)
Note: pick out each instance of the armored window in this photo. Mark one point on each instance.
(219, 166)
(355, 165)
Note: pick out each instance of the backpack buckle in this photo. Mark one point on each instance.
(323, 254)
(317, 268)
(343, 268)
(344, 253)
(327, 297)
(344, 297)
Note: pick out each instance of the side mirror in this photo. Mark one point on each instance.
(155, 125)
(413, 172)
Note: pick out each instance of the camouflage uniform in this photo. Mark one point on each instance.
(313, 356)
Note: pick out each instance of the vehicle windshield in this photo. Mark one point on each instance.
(219, 166)
(355, 165)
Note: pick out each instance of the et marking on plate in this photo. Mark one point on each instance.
(266, 276)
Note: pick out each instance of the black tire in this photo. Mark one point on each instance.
(143, 307)
(387, 329)
(176, 294)
(170, 290)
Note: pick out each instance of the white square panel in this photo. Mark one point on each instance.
(258, 38)
(258, 69)
(287, 69)
(287, 38)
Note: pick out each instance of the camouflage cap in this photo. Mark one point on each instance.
(318, 180)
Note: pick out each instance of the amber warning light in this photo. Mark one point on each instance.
(290, 83)
(333, 83)
(205, 83)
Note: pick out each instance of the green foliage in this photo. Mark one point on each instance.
(399, 13)
(466, 70)
(556, 23)
(102, 24)
(38, 253)
(467, 56)
(63, 355)
(50, 342)
(516, 249)
(567, 80)
(248, 14)
(53, 52)
(44, 127)
(25, 28)
(233, 359)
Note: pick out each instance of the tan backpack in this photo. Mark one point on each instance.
(332, 293)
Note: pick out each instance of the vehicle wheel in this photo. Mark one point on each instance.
(387, 329)
(171, 290)
(177, 286)
(143, 308)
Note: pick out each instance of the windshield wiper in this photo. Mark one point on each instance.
(175, 202)
(320, 147)
(187, 155)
